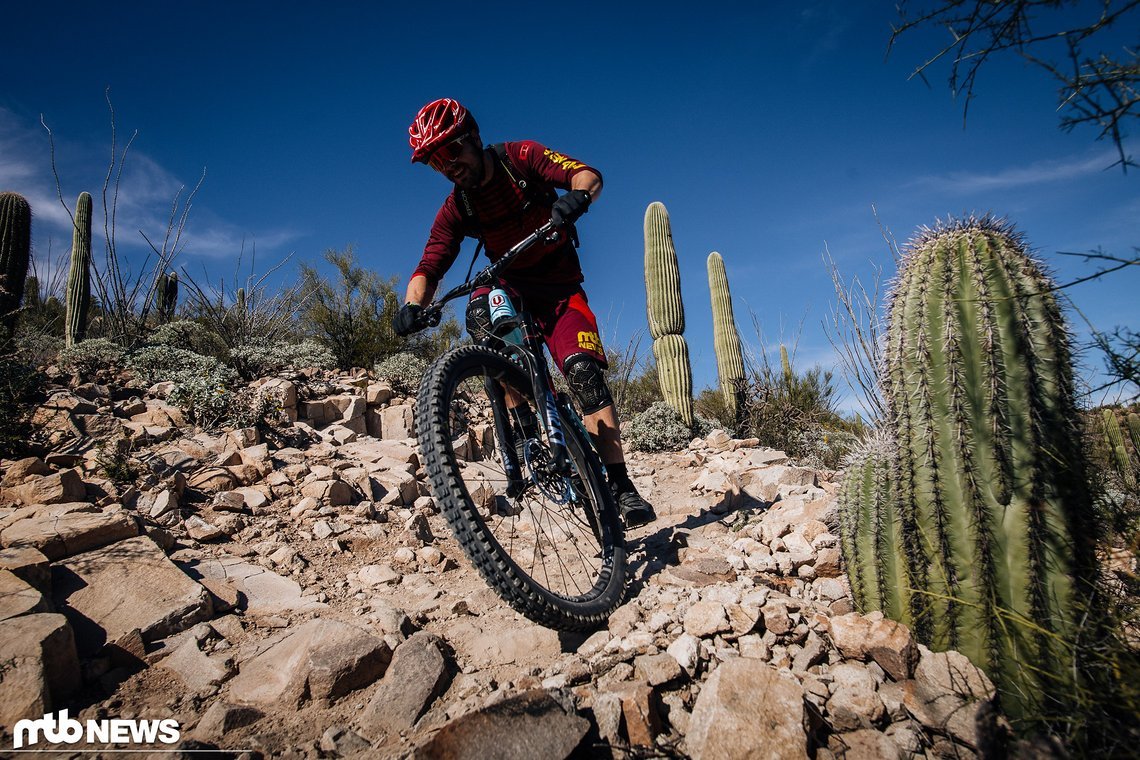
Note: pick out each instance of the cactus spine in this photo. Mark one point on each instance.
(990, 473)
(15, 253)
(667, 313)
(79, 276)
(871, 531)
(726, 340)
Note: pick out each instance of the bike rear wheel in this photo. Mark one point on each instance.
(550, 545)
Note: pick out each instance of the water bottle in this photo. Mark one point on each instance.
(504, 318)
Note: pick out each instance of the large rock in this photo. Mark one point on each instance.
(418, 674)
(885, 641)
(854, 703)
(19, 471)
(70, 534)
(198, 670)
(947, 694)
(29, 565)
(258, 591)
(535, 724)
(397, 422)
(18, 597)
(748, 709)
(318, 660)
(39, 668)
(59, 488)
(223, 717)
(127, 586)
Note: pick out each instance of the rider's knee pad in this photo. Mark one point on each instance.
(587, 383)
(478, 318)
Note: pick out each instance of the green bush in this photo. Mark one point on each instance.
(253, 361)
(20, 386)
(403, 370)
(824, 448)
(37, 348)
(189, 335)
(157, 364)
(90, 357)
(206, 396)
(255, 407)
(711, 404)
(782, 405)
(658, 428)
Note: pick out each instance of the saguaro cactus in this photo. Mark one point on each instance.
(666, 312)
(166, 296)
(990, 476)
(15, 253)
(726, 340)
(1118, 456)
(871, 531)
(79, 276)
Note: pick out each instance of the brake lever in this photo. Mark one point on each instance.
(430, 317)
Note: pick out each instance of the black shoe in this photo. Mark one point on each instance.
(634, 510)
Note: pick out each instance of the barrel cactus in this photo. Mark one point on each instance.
(726, 340)
(871, 531)
(990, 475)
(667, 313)
(79, 276)
(15, 253)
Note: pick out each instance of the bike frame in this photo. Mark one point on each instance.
(529, 355)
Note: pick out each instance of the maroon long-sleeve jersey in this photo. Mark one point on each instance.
(501, 222)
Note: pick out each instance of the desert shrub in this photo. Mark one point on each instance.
(37, 348)
(113, 459)
(256, 407)
(255, 360)
(403, 370)
(90, 357)
(156, 364)
(20, 387)
(711, 404)
(658, 428)
(189, 335)
(206, 396)
(781, 405)
(351, 315)
(824, 448)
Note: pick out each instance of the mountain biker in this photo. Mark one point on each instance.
(503, 193)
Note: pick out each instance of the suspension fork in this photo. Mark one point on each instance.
(551, 417)
(504, 434)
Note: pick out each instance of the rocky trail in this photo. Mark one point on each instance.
(300, 596)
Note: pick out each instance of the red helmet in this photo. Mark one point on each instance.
(439, 122)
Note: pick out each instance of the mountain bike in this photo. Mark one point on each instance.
(531, 508)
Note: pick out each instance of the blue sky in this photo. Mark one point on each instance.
(768, 132)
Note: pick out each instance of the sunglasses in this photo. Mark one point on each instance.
(448, 153)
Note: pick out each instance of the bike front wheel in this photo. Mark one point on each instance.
(549, 542)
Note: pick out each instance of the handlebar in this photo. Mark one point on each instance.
(433, 313)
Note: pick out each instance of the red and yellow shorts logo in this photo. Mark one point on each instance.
(589, 341)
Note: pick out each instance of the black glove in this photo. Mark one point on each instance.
(569, 207)
(407, 319)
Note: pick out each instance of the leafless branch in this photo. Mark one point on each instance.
(1100, 90)
(854, 331)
